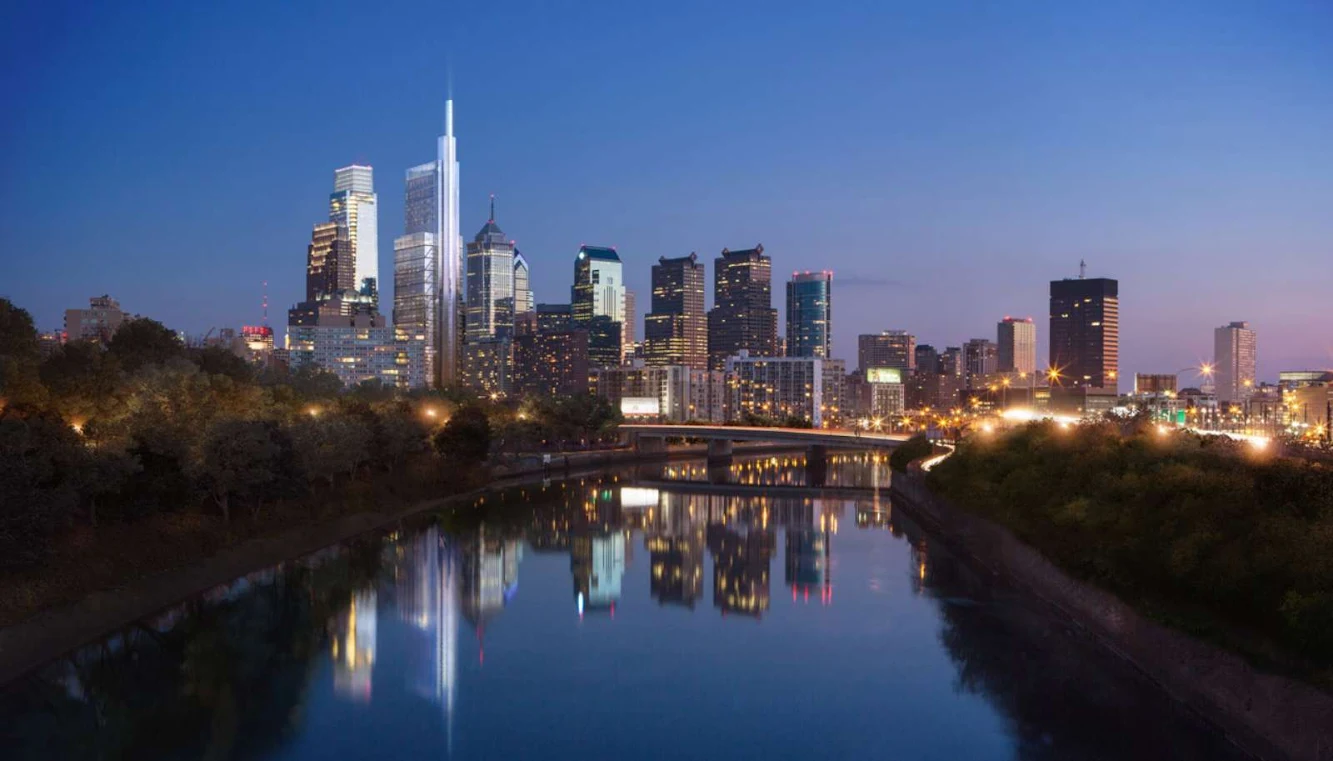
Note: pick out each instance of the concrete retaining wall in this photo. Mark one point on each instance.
(1270, 716)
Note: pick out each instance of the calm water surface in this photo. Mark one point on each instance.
(672, 612)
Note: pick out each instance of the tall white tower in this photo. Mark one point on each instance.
(450, 270)
(353, 205)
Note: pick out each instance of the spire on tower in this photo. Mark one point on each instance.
(492, 207)
(1082, 269)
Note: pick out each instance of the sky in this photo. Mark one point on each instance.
(945, 160)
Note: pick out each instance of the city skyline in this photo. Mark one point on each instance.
(896, 254)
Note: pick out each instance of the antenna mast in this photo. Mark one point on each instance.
(1082, 269)
(265, 303)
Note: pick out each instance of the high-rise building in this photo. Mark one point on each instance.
(889, 348)
(938, 391)
(330, 267)
(927, 359)
(1085, 332)
(522, 284)
(599, 284)
(1017, 340)
(487, 365)
(682, 393)
(675, 332)
(359, 348)
(775, 387)
(810, 315)
(552, 318)
(415, 305)
(549, 357)
(627, 327)
(1147, 384)
(980, 359)
(742, 316)
(432, 207)
(354, 205)
(951, 361)
(1234, 347)
(96, 323)
(835, 401)
(490, 283)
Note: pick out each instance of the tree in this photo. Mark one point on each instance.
(329, 443)
(40, 457)
(240, 459)
(141, 342)
(466, 438)
(397, 435)
(913, 449)
(314, 382)
(216, 360)
(18, 336)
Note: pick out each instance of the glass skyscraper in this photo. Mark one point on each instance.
(743, 316)
(810, 315)
(490, 283)
(676, 331)
(354, 205)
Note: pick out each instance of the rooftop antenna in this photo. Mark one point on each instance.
(492, 207)
(265, 303)
(1082, 269)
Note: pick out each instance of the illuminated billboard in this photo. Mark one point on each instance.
(640, 405)
(884, 375)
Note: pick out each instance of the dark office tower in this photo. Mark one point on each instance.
(330, 268)
(951, 361)
(1085, 332)
(810, 315)
(742, 316)
(676, 332)
(889, 348)
(553, 318)
(980, 359)
(927, 359)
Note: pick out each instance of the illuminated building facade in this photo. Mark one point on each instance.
(490, 283)
(354, 206)
(599, 285)
(980, 360)
(810, 315)
(488, 365)
(98, 322)
(742, 316)
(330, 267)
(362, 348)
(522, 284)
(888, 348)
(1017, 342)
(775, 388)
(415, 305)
(683, 393)
(1234, 361)
(675, 332)
(1085, 332)
(1147, 384)
(550, 362)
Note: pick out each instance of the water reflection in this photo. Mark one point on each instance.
(379, 648)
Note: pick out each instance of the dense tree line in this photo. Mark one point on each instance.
(145, 425)
(1204, 532)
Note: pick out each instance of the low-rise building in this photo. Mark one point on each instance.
(775, 388)
(96, 323)
(680, 393)
(362, 349)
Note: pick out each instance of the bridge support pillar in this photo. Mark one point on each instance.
(816, 465)
(650, 444)
(719, 449)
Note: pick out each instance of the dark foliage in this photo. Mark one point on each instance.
(466, 438)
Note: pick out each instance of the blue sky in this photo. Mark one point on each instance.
(945, 159)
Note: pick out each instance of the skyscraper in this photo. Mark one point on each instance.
(742, 316)
(599, 284)
(1017, 340)
(676, 332)
(980, 358)
(1234, 349)
(927, 359)
(432, 206)
(1085, 332)
(354, 205)
(810, 315)
(522, 285)
(889, 348)
(490, 283)
(627, 336)
(330, 268)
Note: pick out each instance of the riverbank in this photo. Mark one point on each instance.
(129, 584)
(1270, 716)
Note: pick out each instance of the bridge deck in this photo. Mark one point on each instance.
(812, 436)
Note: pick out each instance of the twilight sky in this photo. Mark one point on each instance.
(945, 159)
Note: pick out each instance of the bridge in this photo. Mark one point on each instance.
(648, 438)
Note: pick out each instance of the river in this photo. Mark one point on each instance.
(672, 611)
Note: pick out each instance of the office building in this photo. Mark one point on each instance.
(415, 302)
(1085, 332)
(927, 359)
(354, 206)
(627, 338)
(810, 315)
(936, 391)
(599, 284)
(490, 283)
(951, 361)
(1234, 348)
(1017, 342)
(742, 317)
(1151, 384)
(330, 267)
(553, 318)
(487, 365)
(835, 402)
(890, 348)
(549, 361)
(98, 322)
(980, 360)
(431, 208)
(675, 332)
(775, 387)
(522, 284)
(680, 393)
(361, 348)
(1289, 380)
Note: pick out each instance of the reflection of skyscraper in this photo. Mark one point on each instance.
(488, 576)
(675, 544)
(740, 568)
(427, 597)
(598, 564)
(807, 557)
(353, 647)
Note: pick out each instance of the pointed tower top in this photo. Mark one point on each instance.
(492, 207)
(449, 118)
(1082, 269)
